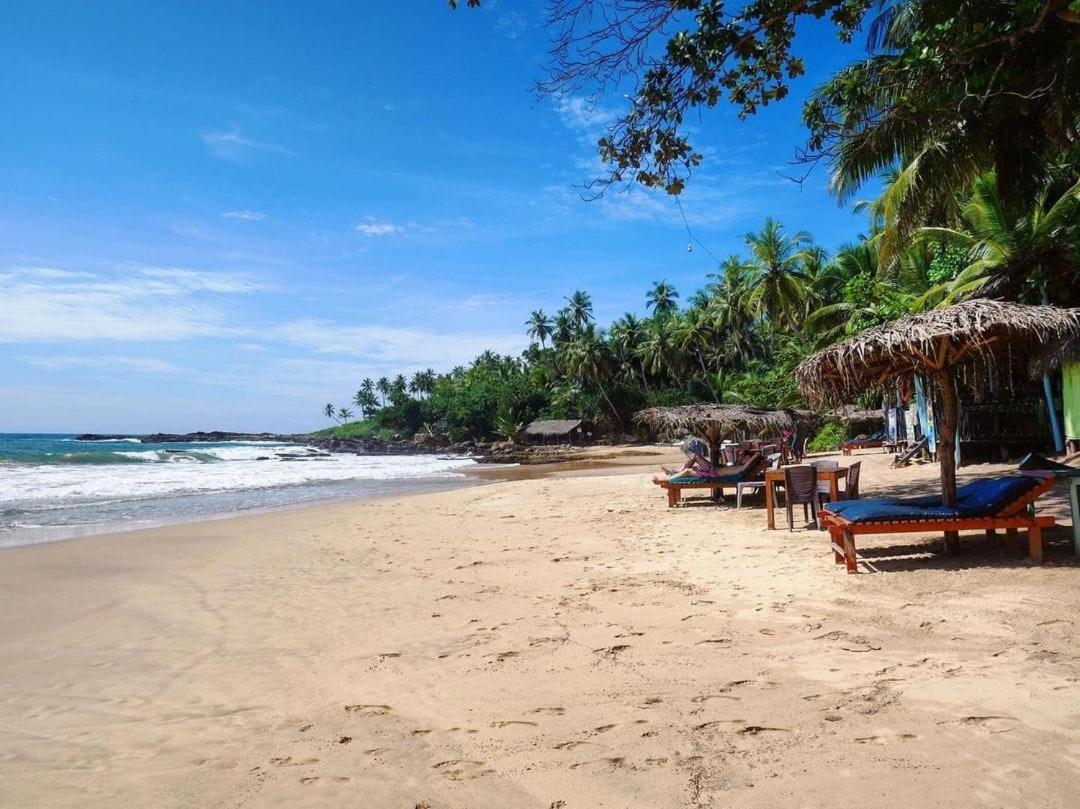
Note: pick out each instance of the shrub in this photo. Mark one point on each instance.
(828, 438)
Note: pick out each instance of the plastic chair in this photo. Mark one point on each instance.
(851, 485)
(755, 485)
(823, 486)
(800, 487)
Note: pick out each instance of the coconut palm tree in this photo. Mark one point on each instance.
(540, 326)
(777, 279)
(626, 336)
(344, 414)
(1011, 254)
(657, 351)
(579, 307)
(729, 309)
(662, 299)
(562, 327)
(589, 360)
(384, 387)
(330, 411)
(361, 402)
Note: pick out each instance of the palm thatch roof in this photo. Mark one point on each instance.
(713, 421)
(553, 428)
(855, 415)
(974, 333)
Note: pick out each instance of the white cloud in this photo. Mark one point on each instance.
(139, 364)
(134, 304)
(246, 215)
(582, 114)
(373, 228)
(512, 24)
(234, 146)
(393, 347)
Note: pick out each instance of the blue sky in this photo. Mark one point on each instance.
(225, 215)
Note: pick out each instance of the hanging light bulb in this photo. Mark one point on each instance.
(690, 247)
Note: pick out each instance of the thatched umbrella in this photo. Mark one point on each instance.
(714, 422)
(975, 333)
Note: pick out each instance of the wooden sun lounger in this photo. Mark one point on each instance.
(1010, 519)
(674, 489)
(847, 447)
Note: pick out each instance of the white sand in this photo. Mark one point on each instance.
(563, 642)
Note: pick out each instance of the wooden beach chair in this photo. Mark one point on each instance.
(718, 482)
(1004, 503)
(872, 441)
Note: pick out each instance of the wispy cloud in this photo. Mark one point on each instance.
(512, 24)
(139, 364)
(234, 146)
(134, 304)
(246, 215)
(373, 228)
(391, 347)
(580, 113)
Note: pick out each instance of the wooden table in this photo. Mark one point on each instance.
(774, 476)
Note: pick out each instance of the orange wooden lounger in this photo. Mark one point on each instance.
(987, 505)
(674, 487)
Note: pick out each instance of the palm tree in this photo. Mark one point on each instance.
(662, 299)
(589, 359)
(1011, 254)
(580, 308)
(626, 336)
(361, 402)
(657, 351)
(540, 326)
(344, 414)
(384, 388)
(562, 327)
(777, 280)
(330, 411)
(723, 388)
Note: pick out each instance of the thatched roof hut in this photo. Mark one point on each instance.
(851, 414)
(977, 334)
(715, 422)
(556, 431)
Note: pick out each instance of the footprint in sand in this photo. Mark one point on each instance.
(574, 744)
(311, 779)
(550, 711)
(511, 722)
(369, 710)
(612, 652)
(886, 738)
(462, 769)
(990, 723)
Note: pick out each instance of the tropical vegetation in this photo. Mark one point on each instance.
(966, 111)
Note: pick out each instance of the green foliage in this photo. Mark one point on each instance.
(946, 262)
(828, 438)
(356, 430)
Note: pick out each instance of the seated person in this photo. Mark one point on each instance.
(698, 466)
(697, 462)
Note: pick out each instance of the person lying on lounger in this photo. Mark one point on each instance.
(697, 465)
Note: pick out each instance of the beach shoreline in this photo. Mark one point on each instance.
(557, 640)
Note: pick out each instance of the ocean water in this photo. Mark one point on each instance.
(54, 487)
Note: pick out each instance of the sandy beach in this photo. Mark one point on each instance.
(557, 643)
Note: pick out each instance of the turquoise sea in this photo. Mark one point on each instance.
(56, 487)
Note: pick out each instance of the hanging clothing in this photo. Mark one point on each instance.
(1070, 372)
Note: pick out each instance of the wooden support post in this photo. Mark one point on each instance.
(952, 543)
(1012, 543)
(836, 539)
(849, 552)
(1035, 545)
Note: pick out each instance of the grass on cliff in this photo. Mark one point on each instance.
(356, 429)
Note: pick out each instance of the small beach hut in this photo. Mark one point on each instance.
(713, 422)
(557, 431)
(973, 334)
